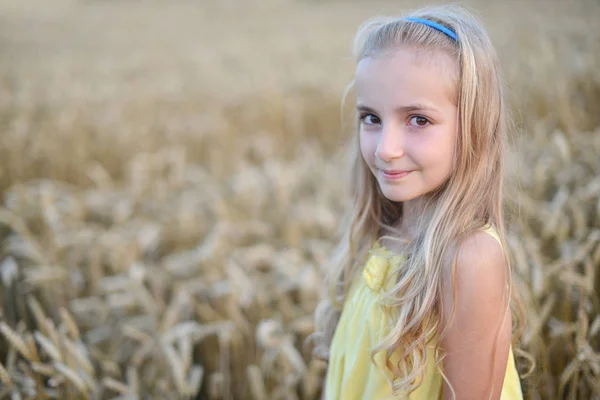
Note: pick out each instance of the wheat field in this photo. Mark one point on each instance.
(170, 174)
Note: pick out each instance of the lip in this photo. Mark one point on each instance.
(394, 173)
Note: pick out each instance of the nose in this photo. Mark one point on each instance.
(390, 144)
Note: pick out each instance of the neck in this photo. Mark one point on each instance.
(407, 228)
(411, 211)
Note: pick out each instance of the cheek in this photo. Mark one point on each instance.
(437, 151)
(368, 145)
(444, 151)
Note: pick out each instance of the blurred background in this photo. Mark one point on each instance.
(171, 187)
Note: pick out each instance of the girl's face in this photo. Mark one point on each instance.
(406, 101)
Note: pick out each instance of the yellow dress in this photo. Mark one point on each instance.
(351, 375)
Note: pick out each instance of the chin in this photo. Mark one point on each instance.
(397, 195)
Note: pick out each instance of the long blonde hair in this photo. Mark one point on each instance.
(468, 200)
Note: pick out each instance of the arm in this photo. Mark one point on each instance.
(480, 326)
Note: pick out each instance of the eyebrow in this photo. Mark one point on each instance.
(403, 109)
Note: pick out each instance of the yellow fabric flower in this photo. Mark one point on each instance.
(378, 266)
(375, 271)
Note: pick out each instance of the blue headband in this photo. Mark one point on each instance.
(434, 25)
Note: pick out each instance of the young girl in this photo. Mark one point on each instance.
(419, 295)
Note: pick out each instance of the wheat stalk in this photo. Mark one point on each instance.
(13, 338)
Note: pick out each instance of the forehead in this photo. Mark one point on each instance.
(404, 74)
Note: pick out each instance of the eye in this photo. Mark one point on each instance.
(369, 119)
(419, 121)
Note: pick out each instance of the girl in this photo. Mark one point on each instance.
(422, 277)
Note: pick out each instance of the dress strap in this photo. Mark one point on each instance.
(488, 228)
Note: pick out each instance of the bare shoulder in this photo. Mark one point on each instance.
(480, 250)
(479, 276)
(480, 254)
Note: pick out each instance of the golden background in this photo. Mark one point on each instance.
(171, 180)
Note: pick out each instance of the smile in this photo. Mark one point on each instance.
(393, 175)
